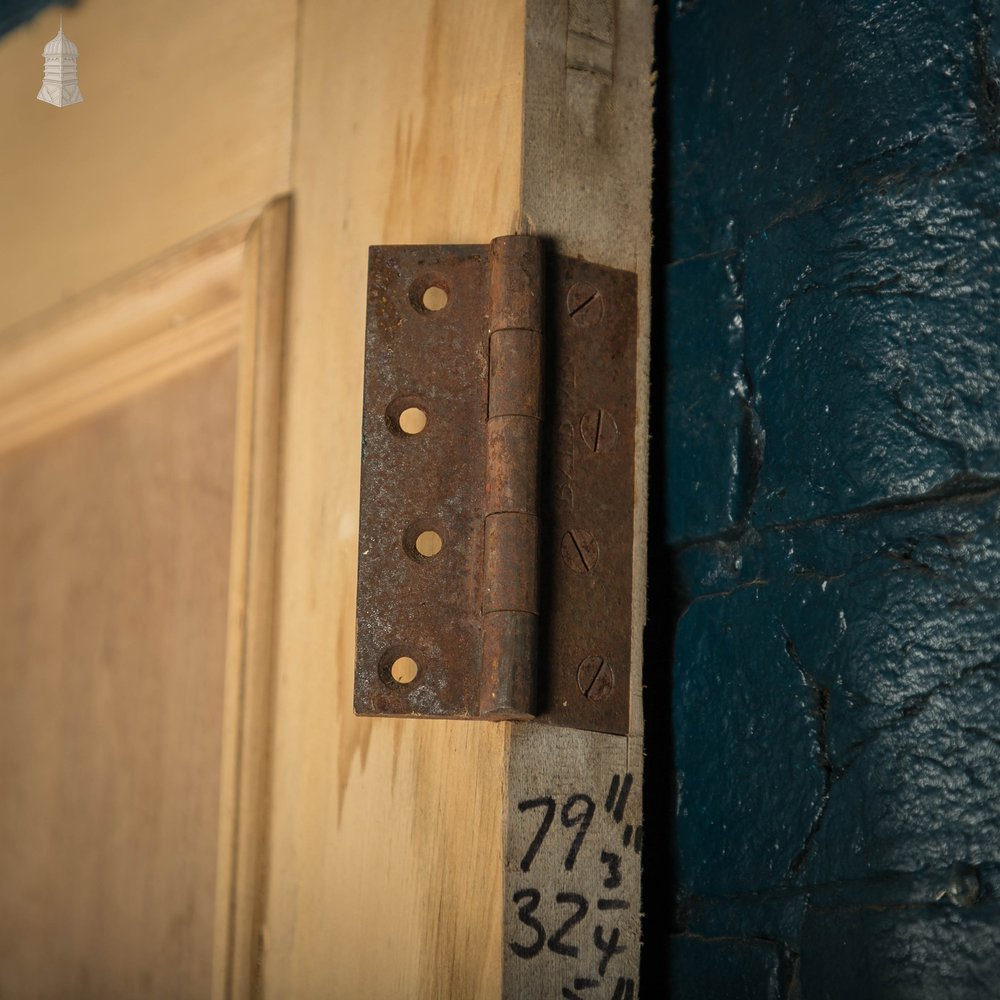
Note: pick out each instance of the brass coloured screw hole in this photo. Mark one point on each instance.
(428, 544)
(403, 669)
(435, 298)
(412, 420)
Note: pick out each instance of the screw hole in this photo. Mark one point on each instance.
(423, 539)
(406, 416)
(403, 669)
(428, 544)
(434, 298)
(412, 420)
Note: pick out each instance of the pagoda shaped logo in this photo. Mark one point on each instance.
(60, 86)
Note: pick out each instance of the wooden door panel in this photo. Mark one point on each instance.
(138, 445)
(396, 845)
(361, 858)
(115, 542)
(186, 121)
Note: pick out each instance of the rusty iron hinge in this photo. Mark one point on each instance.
(495, 556)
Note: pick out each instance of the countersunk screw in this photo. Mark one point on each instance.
(580, 550)
(595, 678)
(585, 304)
(599, 430)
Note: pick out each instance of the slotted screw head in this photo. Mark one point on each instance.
(599, 430)
(585, 304)
(595, 678)
(580, 550)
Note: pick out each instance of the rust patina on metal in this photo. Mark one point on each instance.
(499, 424)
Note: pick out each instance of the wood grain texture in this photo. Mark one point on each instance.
(146, 485)
(115, 543)
(392, 848)
(186, 121)
(244, 799)
(586, 172)
(145, 326)
(386, 855)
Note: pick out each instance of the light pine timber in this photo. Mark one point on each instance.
(138, 454)
(244, 800)
(186, 121)
(385, 873)
(394, 844)
(115, 548)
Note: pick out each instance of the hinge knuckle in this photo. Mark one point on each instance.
(510, 616)
(512, 448)
(513, 442)
(516, 374)
(515, 283)
(510, 572)
(506, 690)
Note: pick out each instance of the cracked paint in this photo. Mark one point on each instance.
(832, 435)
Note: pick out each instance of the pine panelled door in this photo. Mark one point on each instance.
(189, 805)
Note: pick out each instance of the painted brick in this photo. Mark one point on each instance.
(783, 105)
(872, 347)
(707, 417)
(734, 970)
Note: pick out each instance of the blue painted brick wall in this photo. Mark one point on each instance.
(832, 436)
